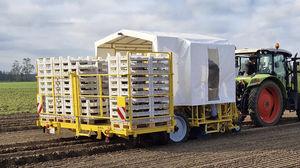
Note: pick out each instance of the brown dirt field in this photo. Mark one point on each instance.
(276, 146)
(16, 122)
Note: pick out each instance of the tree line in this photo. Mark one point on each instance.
(20, 71)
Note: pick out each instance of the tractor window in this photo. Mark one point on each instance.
(244, 61)
(241, 61)
(279, 66)
(265, 63)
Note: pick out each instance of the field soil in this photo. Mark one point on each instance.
(276, 146)
(19, 121)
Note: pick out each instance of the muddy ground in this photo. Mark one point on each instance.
(276, 146)
(16, 122)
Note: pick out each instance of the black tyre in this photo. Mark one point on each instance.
(133, 143)
(242, 117)
(239, 128)
(198, 132)
(161, 138)
(151, 139)
(243, 108)
(266, 104)
(298, 113)
(298, 110)
(182, 128)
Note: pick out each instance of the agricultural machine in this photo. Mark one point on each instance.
(141, 83)
(271, 89)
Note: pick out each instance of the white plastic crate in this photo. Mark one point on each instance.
(140, 85)
(45, 66)
(63, 86)
(91, 107)
(68, 106)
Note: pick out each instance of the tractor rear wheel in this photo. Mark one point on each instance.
(182, 127)
(266, 104)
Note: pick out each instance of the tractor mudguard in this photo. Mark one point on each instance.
(258, 79)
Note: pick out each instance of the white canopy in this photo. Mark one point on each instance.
(203, 66)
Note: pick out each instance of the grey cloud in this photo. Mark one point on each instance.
(36, 28)
(6, 38)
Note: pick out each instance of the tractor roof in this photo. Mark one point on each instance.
(254, 50)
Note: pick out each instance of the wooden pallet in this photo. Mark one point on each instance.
(66, 120)
(119, 125)
(91, 121)
(48, 119)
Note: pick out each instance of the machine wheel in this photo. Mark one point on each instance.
(266, 104)
(133, 143)
(243, 108)
(242, 117)
(198, 132)
(298, 113)
(161, 138)
(182, 128)
(145, 140)
(239, 124)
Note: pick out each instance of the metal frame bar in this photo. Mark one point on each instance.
(78, 127)
(224, 117)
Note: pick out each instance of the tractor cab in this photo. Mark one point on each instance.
(266, 84)
(267, 61)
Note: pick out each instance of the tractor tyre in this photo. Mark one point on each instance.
(243, 109)
(298, 113)
(161, 138)
(266, 104)
(182, 127)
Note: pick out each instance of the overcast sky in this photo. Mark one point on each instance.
(47, 28)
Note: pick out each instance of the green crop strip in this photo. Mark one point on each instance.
(17, 97)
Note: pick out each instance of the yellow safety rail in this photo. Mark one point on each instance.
(227, 115)
(106, 128)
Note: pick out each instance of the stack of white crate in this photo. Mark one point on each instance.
(142, 85)
(45, 70)
(88, 85)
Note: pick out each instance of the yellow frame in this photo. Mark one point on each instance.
(106, 129)
(227, 115)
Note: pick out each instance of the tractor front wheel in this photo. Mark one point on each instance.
(266, 104)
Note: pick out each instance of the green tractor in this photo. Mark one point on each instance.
(270, 88)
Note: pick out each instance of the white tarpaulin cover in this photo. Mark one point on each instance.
(203, 66)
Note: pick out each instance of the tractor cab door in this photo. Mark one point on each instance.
(279, 67)
(265, 63)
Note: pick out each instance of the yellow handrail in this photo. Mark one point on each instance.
(76, 92)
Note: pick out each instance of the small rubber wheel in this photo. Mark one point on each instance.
(239, 128)
(182, 128)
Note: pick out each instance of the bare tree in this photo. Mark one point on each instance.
(27, 68)
(22, 72)
(16, 70)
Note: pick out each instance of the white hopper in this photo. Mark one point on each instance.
(191, 56)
